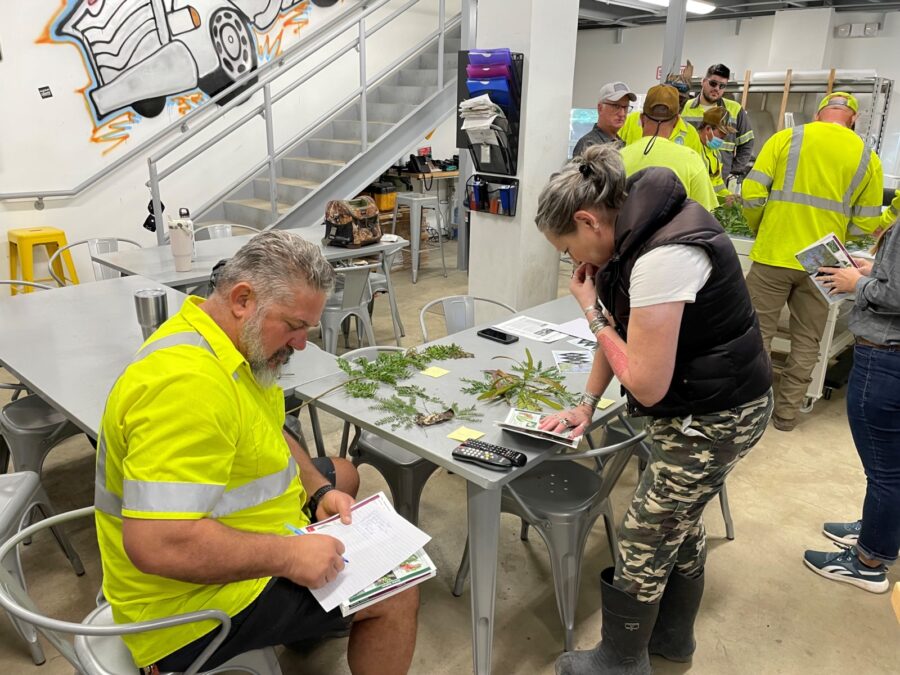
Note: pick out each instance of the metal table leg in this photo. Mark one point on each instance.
(484, 534)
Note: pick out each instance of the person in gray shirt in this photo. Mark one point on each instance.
(873, 411)
(613, 106)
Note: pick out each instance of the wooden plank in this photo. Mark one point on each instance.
(830, 82)
(746, 93)
(784, 99)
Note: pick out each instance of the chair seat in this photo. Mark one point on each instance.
(375, 445)
(16, 492)
(104, 655)
(558, 488)
(30, 414)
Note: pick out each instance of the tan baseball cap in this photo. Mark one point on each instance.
(661, 103)
(717, 118)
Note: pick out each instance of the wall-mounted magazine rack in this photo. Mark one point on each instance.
(492, 194)
(498, 74)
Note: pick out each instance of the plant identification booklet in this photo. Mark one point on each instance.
(414, 570)
(533, 329)
(827, 252)
(376, 542)
(526, 422)
(574, 361)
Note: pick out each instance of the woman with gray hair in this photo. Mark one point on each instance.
(661, 286)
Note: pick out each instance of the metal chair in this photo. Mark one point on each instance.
(222, 230)
(16, 387)
(349, 299)
(380, 282)
(98, 648)
(20, 494)
(562, 499)
(405, 473)
(31, 428)
(459, 312)
(95, 247)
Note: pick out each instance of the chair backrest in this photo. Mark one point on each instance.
(32, 284)
(222, 230)
(15, 600)
(95, 246)
(356, 290)
(459, 312)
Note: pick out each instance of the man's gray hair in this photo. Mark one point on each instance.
(595, 180)
(273, 262)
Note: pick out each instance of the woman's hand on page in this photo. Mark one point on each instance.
(839, 279)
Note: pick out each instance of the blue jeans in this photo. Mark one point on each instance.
(873, 410)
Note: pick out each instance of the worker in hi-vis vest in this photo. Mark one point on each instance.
(737, 148)
(807, 182)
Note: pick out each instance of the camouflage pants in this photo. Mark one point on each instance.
(690, 459)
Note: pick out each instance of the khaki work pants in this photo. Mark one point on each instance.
(770, 288)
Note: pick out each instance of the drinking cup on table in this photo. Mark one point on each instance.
(152, 307)
(181, 238)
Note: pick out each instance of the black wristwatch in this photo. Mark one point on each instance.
(316, 497)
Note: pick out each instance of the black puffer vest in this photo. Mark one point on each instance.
(720, 362)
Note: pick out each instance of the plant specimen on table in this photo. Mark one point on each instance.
(733, 221)
(527, 385)
(392, 367)
(402, 409)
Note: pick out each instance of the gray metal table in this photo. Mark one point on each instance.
(68, 345)
(483, 485)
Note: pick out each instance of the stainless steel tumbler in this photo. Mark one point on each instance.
(151, 305)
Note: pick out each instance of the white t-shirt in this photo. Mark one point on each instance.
(671, 273)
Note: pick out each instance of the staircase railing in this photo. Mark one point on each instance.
(264, 84)
(209, 108)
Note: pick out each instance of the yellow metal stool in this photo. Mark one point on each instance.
(21, 253)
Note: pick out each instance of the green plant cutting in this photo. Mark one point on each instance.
(527, 385)
(402, 409)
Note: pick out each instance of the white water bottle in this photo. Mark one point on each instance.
(181, 239)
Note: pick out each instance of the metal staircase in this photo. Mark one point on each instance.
(330, 161)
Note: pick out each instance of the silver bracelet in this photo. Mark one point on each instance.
(589, 400)
(597, 324)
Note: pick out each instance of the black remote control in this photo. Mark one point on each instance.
(517, 458)
(488, 460)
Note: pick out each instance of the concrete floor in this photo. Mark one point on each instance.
(763, 612)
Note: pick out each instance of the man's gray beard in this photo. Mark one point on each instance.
(251, 341)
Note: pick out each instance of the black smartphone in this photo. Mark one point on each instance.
(497, 336)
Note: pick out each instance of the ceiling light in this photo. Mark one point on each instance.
(693, 6)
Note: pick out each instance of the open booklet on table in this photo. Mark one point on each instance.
(826, 252)
(383, 552)
(526, 422)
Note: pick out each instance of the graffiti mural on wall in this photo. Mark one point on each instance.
(142, 54)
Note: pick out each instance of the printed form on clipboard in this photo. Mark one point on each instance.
(377, 543)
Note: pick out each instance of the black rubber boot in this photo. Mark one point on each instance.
(673, 634)
(625, 632)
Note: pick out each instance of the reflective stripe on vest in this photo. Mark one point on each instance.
(787, 194)
(760, 177)
(180, 497)
(745, 138)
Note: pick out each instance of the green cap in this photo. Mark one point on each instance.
(840, 98)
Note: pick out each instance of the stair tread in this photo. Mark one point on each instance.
(335, 140)
(318, 160)
(297, 182)
(255, 203)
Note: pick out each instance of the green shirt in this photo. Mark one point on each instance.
(686, 164)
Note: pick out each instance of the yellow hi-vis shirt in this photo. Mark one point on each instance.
(807, 182)
(683, 133)
(187, 433)
(686, 164)
(713, 160)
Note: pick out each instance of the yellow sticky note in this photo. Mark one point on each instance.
(604, 403)
(464, 434)
(434, 371)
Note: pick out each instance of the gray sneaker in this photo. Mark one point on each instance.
(843, 533)
(845, 566)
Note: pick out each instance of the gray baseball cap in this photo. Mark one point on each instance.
(615, 91)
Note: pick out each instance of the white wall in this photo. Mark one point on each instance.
(634, 61)
(46, 143)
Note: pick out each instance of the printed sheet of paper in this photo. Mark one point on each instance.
(377, 541)
(577, 328)
(526, 422)
(533, 329)
(574, 361)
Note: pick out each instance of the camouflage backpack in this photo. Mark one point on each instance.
(352, 222)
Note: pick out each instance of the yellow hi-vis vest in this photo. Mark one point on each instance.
(713, 161)
(187, 434)
(693, 114)
(689, 168)
(807, 182)
(683, 133)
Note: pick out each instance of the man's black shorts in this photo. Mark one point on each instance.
(282, 614)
